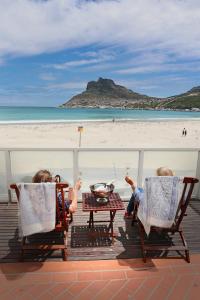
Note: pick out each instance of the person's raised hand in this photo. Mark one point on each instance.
(130, 181)
(78, 184)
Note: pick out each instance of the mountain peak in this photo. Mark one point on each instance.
(195, 89)
(101, 85)
(104, 93)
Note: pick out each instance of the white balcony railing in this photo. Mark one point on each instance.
(95, 165)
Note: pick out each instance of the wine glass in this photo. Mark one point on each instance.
(127, 171)
(80, 173)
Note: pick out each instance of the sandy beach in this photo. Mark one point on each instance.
(122, 134)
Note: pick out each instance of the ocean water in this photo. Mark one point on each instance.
(53, 114)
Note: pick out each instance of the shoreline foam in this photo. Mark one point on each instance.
(116, 120)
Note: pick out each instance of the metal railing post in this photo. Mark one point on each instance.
(75, 165)
(8, 174)
(140, 167)
(198, 176)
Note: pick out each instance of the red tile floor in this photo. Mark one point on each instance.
(101, 280)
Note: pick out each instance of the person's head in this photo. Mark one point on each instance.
(57, 178)
(164, 171)
(42, 176)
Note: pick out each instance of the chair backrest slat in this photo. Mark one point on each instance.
(189, 183)
(61, 212)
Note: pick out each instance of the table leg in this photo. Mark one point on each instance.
(110, 227)
(91, 220)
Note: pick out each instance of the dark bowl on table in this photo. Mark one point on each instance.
(104, 193)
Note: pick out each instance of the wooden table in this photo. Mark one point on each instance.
(90, 205)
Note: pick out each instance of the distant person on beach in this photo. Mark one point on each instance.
(184, 132)
(138, 193)
(46, 176)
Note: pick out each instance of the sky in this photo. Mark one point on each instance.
(50, 49)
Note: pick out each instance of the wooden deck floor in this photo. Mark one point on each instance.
(81, 247)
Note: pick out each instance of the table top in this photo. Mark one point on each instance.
(90, 203)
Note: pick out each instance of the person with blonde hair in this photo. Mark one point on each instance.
(138, 193)
(42, 176)
(46, 176)
(164, 171)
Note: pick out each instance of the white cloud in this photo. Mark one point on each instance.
(76, 63)
(141, 69)
(192, 67)
(47, 77)
(98, 57)
(34, 27)
(67, 85)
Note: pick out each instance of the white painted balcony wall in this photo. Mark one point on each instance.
(94, 165)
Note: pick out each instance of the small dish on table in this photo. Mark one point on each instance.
(102, 191)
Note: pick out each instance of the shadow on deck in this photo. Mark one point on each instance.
(81, 246)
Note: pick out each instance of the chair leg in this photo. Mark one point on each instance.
(141, 233)
(187, 255)
(64, 251)
(21, 258)
(64, 254)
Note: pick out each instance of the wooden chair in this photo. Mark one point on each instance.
(62, 223)
(58, 180)
(189, 183)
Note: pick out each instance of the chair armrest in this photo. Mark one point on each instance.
(13, 186)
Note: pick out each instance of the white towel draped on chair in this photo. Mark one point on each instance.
(161, 199)
(37, 207)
